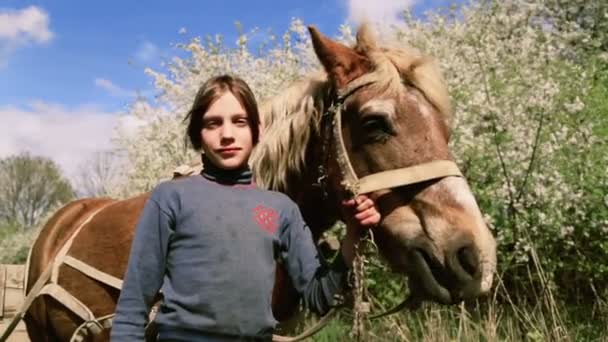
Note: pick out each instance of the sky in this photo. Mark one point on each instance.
(69, 68)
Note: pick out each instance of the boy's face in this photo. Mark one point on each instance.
(226, 135)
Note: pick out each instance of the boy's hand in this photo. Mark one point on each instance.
(366, 212)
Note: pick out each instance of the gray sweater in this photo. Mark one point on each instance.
(212, 244)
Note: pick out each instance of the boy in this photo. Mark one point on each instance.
(212, 240)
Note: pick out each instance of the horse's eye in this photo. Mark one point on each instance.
(376, 128)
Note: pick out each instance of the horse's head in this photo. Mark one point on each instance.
(432, 230)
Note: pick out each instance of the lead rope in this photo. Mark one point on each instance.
(360, 305)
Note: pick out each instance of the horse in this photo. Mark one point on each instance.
(432, 230)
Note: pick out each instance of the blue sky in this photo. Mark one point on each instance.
(66, 65)
(115, 40)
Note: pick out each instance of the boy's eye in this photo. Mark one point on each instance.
(241, 122)
(211, 123)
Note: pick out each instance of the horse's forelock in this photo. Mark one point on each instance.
(422, 72)
(413, 67)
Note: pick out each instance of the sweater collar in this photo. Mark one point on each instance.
(216, 174)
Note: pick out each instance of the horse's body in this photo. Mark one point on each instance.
(431, 231)
(104, 244)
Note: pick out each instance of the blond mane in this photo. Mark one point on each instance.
(292, 117)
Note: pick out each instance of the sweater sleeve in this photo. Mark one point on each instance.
(317, 282)
(145, 272)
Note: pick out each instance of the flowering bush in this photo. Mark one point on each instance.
(524, 137)
(527, 132)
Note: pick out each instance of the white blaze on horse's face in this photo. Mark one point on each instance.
(460, 191)
(380, 107)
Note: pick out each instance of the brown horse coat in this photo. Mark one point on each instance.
(105, 245)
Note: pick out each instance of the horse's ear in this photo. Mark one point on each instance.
(341, 63)
(366, 39)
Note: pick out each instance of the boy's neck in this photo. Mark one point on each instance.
(241, 175)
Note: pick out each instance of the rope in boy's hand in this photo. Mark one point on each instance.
(360, 305)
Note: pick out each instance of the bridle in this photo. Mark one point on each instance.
(331, 136)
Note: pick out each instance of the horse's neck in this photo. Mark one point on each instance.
(318, 213)
(318, 204)
(306, 97)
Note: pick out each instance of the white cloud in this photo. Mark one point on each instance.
(182, 30)
(21, 27)
(31, 23)
(379, 12)
(118, 91)
(113, 89)
(67, 135)
(147, 52)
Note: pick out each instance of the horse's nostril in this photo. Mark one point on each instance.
(430, 259)
(468, 260)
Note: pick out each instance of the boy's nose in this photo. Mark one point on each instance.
(227, 131)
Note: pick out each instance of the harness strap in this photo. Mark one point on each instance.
(52, 272)
(59, 258)
(29, 299)
(92, 327)
(67, 300)
(92, 272)
(26, 271)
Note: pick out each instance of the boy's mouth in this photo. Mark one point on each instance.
(228, 150)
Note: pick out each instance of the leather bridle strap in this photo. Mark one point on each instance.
(405, 176)
(386, 179)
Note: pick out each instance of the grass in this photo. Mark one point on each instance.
(483, 322)
(536, 314)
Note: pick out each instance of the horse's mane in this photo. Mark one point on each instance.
(293, 116)
(289, 120)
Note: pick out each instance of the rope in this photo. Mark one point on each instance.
(361, 306)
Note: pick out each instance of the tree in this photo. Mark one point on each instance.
(100, 174)
(589, 16)
(29, 187)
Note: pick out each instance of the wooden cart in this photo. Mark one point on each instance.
(11, 297)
